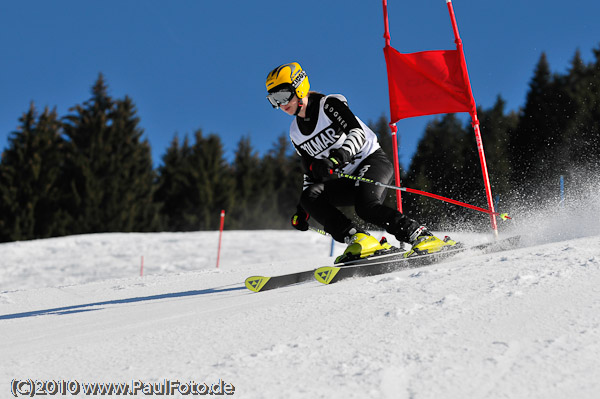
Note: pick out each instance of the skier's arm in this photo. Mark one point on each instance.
(339, 113)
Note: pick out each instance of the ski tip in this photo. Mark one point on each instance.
(256, 283)
(326, 274)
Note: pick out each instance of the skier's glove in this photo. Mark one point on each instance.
(340, 156)
(300, 219)
(324, 169)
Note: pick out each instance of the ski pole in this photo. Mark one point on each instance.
(504, 216)
(322, 232)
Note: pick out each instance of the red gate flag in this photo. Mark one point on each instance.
(432, 82)
(426, 83)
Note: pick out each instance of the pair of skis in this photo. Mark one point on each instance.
(371, 266)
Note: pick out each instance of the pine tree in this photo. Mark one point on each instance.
(536, 142)
(109, 166)
(582, 138)
(496, 128)
(527, 137)
(195, 183)
(212, 180)
(31, 198)
(249, 185)
(558, 129)
(173, 186)
(285, 168)
(133, 187)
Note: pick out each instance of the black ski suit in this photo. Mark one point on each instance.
(329, 124)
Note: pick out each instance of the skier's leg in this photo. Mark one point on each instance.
(369, 206)
(370, 197)
(320, 201)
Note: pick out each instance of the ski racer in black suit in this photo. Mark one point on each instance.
(330, 138)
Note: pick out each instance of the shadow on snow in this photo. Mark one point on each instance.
(85, 307)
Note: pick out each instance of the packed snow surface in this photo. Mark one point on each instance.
(524, 323)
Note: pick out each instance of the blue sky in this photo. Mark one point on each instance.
(199, 64)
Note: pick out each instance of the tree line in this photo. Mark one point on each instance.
(91, 170)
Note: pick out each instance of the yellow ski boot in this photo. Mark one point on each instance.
(362, 245)
(426, 243)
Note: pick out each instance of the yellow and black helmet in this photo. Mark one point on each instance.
(289, 74)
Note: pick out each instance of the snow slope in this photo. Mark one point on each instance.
(519, 324)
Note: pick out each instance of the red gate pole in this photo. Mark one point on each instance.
(474, 121)
(393, 126)
(220, 235)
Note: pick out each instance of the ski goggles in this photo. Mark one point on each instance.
(280, 98)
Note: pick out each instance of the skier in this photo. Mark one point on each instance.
(329, 138)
